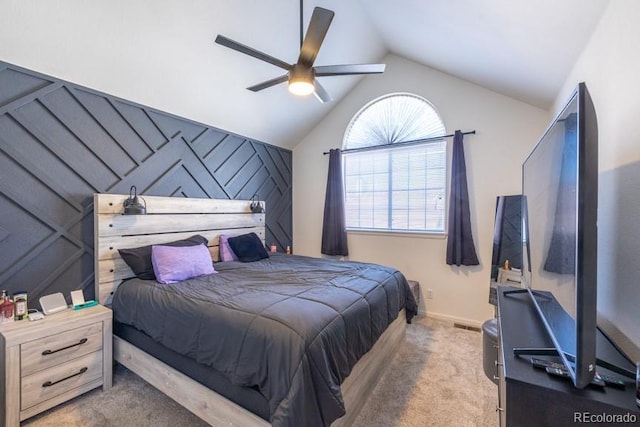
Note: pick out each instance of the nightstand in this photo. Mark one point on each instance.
(50, 361)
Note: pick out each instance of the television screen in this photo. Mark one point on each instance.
(560, 233)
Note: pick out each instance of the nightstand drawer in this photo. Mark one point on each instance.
(50, 351)
(46, 384)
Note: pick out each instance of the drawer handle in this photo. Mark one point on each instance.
(47, 352)
(80, 372)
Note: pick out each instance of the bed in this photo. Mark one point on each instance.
(293, 340)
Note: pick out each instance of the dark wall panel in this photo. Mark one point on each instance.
(60, 143)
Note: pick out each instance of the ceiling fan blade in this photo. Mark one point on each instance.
(225, 41)
(318, 27)
(344, 70)
(269, 83)
(321, 93)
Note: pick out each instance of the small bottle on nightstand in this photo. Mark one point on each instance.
(20, 309)
(7, 308)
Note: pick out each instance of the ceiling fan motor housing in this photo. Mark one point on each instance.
(301, 79)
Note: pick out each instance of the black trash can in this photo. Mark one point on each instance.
(490, 349)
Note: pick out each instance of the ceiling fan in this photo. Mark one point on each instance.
(301, 76)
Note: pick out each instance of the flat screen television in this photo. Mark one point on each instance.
(560, 189)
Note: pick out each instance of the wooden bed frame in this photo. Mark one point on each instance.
(173, 218)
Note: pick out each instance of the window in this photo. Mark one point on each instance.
(391, 186)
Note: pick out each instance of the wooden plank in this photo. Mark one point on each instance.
(4, 357)
(113, 269)
(108, 246)
(364, 376)
(127, 225)
(61, 398)
(96, 242)
(381, 349)
(35, 358)
(112, 204)
(11, 381)
(107, 354)
(62, 376)
(203, 402)
(106, 292)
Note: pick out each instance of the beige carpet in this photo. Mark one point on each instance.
(435, 380)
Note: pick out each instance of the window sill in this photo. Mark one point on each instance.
(399, 233)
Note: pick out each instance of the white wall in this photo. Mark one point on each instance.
(161, 53)
(506, 131)
(610, 66)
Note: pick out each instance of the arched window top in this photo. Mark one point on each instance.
(389, 186)
(397, 117)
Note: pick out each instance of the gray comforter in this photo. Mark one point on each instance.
(291, 326)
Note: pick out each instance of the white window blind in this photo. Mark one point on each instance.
(395, 188)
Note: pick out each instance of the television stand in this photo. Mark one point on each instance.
(548, 351)
(530, 397)
(602, 341)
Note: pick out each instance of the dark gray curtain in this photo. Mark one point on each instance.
(561, 257)
(334, 233)
(497, 236)
(460, 247)
(507, 234)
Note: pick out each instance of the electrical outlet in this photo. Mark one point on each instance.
(429, 293)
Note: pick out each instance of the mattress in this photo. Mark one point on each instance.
(247, 397)
(289, 327)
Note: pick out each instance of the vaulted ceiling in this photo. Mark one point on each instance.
(161, 53)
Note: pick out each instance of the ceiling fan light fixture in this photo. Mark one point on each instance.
(301, 80)
(301, 87)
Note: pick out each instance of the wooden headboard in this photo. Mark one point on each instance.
(167, 219)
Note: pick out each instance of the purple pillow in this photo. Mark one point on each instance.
(173, 264)
(226, 253)
(139, 259)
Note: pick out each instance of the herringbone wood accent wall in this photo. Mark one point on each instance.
(60, 143)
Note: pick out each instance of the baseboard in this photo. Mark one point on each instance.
(456, 320)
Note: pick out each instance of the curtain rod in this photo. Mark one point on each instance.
(405, 143)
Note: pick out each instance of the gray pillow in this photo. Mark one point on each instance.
(139, 259)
